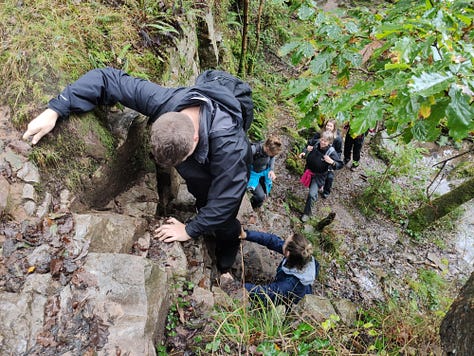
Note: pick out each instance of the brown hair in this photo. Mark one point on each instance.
(272, 146)
(300, 252)
(171, 139)
(334, 122)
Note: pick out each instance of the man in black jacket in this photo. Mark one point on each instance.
(198, 130)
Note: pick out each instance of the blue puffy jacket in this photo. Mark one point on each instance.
(290, 284)
(217, 172)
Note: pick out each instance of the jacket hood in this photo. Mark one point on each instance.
(306, 276)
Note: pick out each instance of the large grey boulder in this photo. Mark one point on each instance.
(315, 308)
(109, 232)
(22, 315)
(347, 310)
(128, 295)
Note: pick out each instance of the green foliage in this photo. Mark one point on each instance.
(275, 22)
(408, 65)
(265, 93)
(329, 242)
(388, 328)
(394, 326)
(44, 157)
(464, 169)
(261, 324)
(399, 187)
(257, 131)
(161, 350)
(182, 288)
(293, 163)
(62, 157)
(428, 289)
(47, 44)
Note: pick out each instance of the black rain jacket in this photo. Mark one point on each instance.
(217, 172)
(315, 163)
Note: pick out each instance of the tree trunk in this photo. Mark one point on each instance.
(257, 37)
(439, 207)
(457, 328)
(243, 52)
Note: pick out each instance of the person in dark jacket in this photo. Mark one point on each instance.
(353, 146)
(262, 170)
(331, 125)
(295, 274)
(318, 162)
(197, 129)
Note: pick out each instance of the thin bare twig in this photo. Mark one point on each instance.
(453, 157)
(434, 180)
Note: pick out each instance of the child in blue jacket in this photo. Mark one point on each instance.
(262, 170)
(295, 274)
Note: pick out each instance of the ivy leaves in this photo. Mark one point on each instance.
(408, 66)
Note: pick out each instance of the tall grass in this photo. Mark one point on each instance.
(48, 44)
(242, 326)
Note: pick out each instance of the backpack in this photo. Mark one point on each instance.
(259, 153)
(240, 89)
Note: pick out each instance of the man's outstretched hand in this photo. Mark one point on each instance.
(173, 230)
(41, 125)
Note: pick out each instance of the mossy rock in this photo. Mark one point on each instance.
(464, 169)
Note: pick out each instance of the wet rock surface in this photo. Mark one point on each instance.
(72, 282)
(59, 297)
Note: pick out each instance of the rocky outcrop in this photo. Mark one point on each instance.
(80, 282)
(77, 281)
(109, 232)
(127, 296)
(22, 315)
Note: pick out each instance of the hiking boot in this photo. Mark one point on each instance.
(355, 164)
(304, 218)
(256, 204)
(346, 161)
(325, 195)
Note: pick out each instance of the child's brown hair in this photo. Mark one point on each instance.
(272, 146)
(300, 252)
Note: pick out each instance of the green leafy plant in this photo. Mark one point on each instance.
(306, 340)
(428, 289)
(398, 187)
(408, 65)
(44, 49)
(161, 350)
(44, 157)
(395, 326)
(242, 325)
(181, 289)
